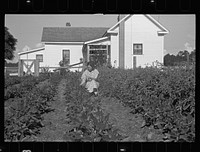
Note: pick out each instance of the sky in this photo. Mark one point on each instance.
(27, 28)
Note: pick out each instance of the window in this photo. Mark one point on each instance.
(39, 57)
(137, 49)
(100, 54)
(66, 57)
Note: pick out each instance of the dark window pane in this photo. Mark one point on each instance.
(103, 46)
(137, 49)
(66, 57)
(39, 57)
(97, 46)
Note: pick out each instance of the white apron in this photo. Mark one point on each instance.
(90, 83)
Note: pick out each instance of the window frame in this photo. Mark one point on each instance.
(137, 51)
(40, 60)
(63, 57)
(102, 47)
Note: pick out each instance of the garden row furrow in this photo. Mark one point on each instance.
(54, 121)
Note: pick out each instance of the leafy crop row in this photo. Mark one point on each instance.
(84, 114)
(165, 98)
(27, 102)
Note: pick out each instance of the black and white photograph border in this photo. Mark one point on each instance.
(122, 79)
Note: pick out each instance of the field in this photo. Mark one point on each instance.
(145, 104)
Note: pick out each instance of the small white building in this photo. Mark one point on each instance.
(135, 40)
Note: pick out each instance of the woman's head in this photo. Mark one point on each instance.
(90, 66)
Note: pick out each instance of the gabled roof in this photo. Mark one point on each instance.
(162, 28)
(72, 34)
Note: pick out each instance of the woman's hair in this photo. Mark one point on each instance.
(91, 64)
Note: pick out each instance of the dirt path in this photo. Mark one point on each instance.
(54, 121)
(128, 124)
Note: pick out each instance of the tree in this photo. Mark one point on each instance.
(10, 43)
(181, 58)
(169, 60)
(193, 56)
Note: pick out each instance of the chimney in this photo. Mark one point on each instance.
(121, 42)
(68, 24)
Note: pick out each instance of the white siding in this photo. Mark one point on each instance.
(53, 54)
(139, 29)
(31, 55)
(128, 42)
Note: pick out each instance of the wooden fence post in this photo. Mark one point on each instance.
(36, 67)
(20, 68)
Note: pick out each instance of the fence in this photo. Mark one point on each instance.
(22, 64)
(37, 69)
(12, 71)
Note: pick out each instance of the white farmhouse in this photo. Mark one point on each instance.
(135, 40)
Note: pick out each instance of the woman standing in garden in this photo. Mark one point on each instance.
(89, 77)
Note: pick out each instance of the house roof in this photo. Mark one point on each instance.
(162, 28)
(72, 34)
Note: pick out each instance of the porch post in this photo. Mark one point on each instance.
(121, 43)
(88, 59)
(84, 52)
(36, 67)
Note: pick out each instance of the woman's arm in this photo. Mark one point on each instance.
(83, 78)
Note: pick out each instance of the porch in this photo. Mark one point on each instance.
(97, 51)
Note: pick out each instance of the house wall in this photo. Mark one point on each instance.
(139, 29)
(53, 54)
